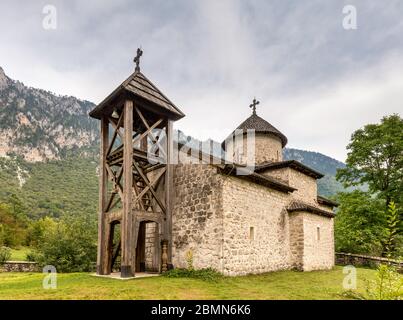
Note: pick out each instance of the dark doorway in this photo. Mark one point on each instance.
(148, 248)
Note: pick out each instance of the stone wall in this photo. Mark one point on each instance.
(152, 245)
(19, 266)
(318, 242)
(366, 261)
(267, 148)
(264, 248)
(197, 216)
(296, 222)
(307, 189)
(312, 248)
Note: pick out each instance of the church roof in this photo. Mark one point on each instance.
(260, 125)
(292, 164)
(302, 206)
(327, 202)
(139, 86)
(270, 182)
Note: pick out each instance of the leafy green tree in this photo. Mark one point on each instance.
(12, 227)
(359, 223)
(375, 158)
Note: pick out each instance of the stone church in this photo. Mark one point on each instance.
(198, 203)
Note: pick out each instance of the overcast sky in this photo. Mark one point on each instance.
(316, 81)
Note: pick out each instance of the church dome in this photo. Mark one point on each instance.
(268, 141)
(262, 126)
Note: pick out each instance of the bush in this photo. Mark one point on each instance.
(207, 274)
(5, 254)
(32, 256)
(387, 286)
(70, 246)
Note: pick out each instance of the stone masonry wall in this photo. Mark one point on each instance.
(197, 216)
(307, 189)
(151, 247)
(318, 251)
(306, 186)
(19, 266)
(297, 240)
(267, 148)
(247, 205)
(312, 249)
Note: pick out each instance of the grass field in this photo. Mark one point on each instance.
(275, 285)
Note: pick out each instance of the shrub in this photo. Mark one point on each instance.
(5, 254)
(70, 247)
(32, 256)
(189, 259)
(207, 274)
(387, 286)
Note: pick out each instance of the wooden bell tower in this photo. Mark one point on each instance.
(136, 177)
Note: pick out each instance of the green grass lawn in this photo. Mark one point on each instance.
(19, 254)
(275, 285)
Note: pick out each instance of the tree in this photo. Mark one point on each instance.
(359, 223)
(375, 158)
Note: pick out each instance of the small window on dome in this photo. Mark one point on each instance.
(318, 233)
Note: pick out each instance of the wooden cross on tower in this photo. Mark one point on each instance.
(254, 104)
(137, 59)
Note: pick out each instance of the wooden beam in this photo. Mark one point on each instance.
(145, 133)
(117, 129)
(150, 132)
(115, 126)
(169, 188)
(150, 184)
(103, 180)
(114, 216)
(116, 180)
(128, 254)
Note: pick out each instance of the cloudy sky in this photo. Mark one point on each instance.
(316, 81)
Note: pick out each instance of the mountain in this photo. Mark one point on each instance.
(38, 125)
(49, 147)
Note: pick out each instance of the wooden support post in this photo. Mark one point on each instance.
(128, 223)
(102, 256)
(169, 190)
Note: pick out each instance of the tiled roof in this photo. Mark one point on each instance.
(292, 164)
(327, 202)
(301, 206)
(270, 182)
(260, 125)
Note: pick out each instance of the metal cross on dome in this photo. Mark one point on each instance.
(254, 104)
(137, 59)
